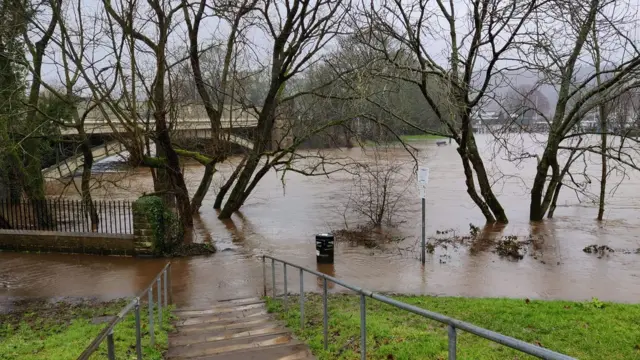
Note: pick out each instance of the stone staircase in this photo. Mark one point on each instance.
(230, 330)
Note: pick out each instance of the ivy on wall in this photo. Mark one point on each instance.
(165, 226)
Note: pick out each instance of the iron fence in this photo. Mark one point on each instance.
(66, 215)
(453, 325)
(162, 282)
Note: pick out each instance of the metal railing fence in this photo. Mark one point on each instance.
(162, 282)
(67, 215)
(453, 325)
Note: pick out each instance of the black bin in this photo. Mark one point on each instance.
(324, 248)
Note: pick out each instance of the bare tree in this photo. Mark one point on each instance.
(475, 43)
(579, 90)
(298, 31)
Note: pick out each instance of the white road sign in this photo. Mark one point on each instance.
(423, 175)
(423, 180)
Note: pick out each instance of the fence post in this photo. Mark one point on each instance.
(363, 327)
(286, 296)
(151, 332)
(111, 352)
(301, 299)
(325, 316)
(159, 302)
(452, 342)
(138, 332)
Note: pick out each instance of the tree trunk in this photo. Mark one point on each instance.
(262, 141)
(541, 200)
(471, 188)
(227, 185)
(483, 181)
(237, 196)
(85, 184)
(205, 183)
(603, 174)
(552, 208)
(178, 185)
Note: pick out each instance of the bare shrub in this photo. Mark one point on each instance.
(379, 189)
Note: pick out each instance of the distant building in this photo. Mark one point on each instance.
(487, 121)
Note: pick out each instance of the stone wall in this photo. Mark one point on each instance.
(142, 231)
(65, 242)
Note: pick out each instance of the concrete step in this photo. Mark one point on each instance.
(258, 320)
(185, 314)
(225, 334)
(230, 345)
(275, 352)
(224, 303)
(236, 329)
(208, 319)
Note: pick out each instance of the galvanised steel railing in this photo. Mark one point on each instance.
(107, 333)
(453, 324)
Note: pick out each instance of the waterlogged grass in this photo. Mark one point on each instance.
(407, 138)
(420, 137)
(63, 331)
(588, 330)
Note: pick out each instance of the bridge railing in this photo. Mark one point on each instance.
(162, 282)
(65, 215)
(453, 325)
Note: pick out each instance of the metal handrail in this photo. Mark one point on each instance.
(107, 332)
(453, 324)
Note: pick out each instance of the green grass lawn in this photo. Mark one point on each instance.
(588, 330)
(63, 331)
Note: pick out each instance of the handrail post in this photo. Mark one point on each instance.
(325, 315)
(111, 351)
(151, 330)
(301, 299)
(164, 275)
(273, 278)
(159, 302)
(138, 331)
(286, 295)
(363, 327)
(264, 277)
(452, 342)
(170, 280)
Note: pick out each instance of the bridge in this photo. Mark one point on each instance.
(192, 124)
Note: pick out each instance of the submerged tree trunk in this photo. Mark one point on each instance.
(554, 202)
(603, 170)
(603, 130)
(471, 187)
(483, 181)
(205, 183)
(227, 185)
(239, 193)
(541, 199)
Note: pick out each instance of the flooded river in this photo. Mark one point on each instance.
(282, 221)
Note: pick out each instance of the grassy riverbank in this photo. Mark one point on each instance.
(585, 330)
(63, 331)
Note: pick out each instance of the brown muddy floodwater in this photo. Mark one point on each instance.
(282, 222)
